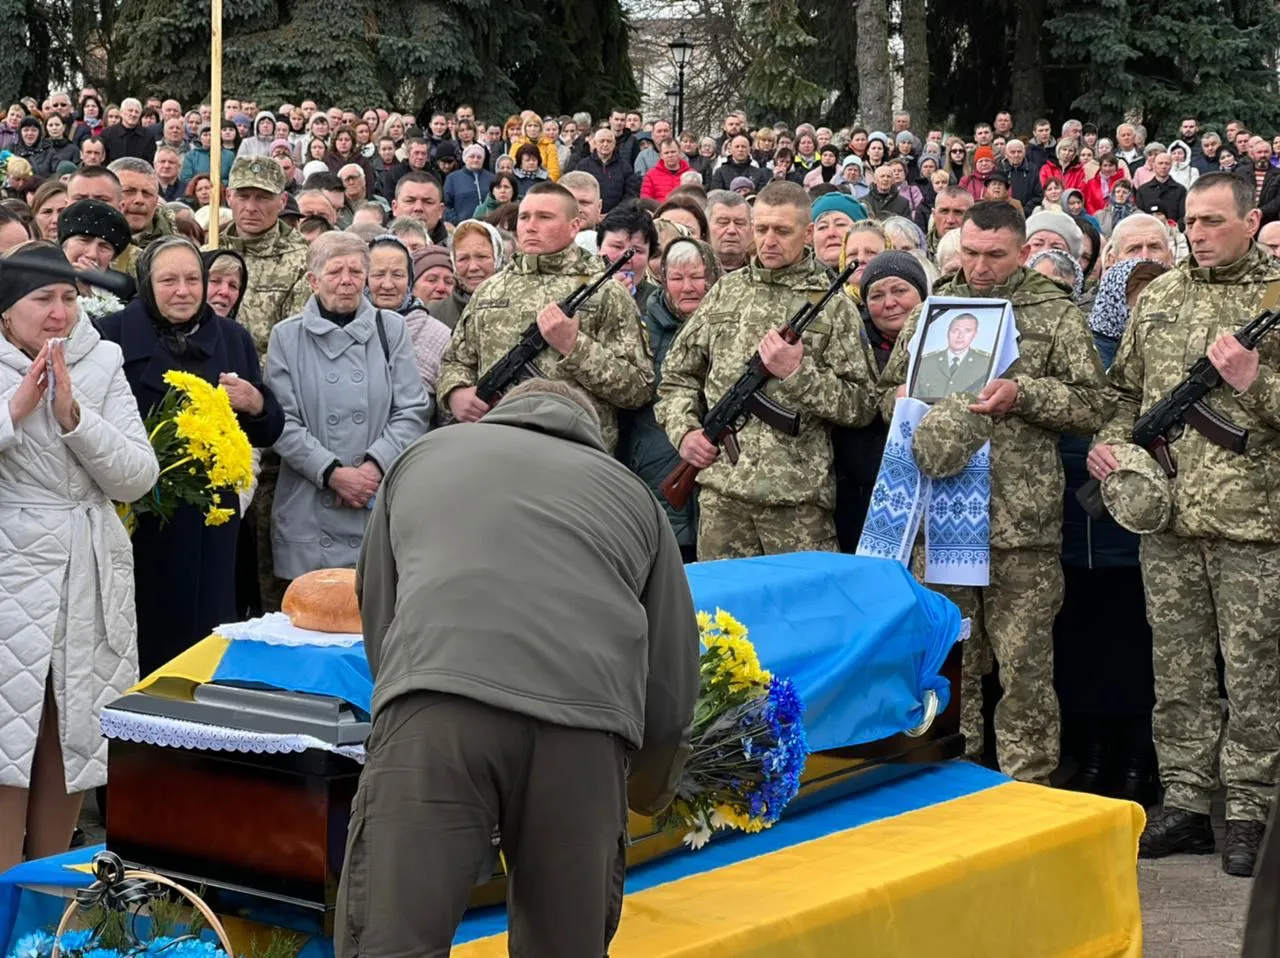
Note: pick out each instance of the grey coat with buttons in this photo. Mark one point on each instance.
(346, 400)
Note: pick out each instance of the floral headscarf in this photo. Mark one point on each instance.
(1110, 313)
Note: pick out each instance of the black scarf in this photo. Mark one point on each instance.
(338, 319)
(174, 337)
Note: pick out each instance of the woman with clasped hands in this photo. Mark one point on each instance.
(344, 372)
(71, 442)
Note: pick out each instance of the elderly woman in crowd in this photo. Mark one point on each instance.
(433, 280)
(833, 215)
(71, 444)
(864, 241)
(475, 251)
(92, 234)
(227, 278)
(391, 288)
(169, 326)
(688, 269)
(353, 400)
(467, 188)
(891, 285)
(1060, 267)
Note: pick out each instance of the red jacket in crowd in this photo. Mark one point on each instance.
(660, 181)
(1098, 190)
(1072, 177)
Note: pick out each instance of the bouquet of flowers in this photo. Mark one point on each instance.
(748, 746)
(85, 944)
(201, 449)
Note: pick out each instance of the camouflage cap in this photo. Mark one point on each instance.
(949, 435)
(256, 173)
(1138, 494)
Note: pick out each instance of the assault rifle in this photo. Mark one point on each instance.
(1161, 425)
(517, 365)
(746, 398)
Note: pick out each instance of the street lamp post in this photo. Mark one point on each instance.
(673, 105)
(681, 53)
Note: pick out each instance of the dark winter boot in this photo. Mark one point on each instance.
(1240, 853)
(1171, 831)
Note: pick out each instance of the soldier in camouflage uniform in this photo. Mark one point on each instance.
(1055, 386)
(780, 496)
(276, 258)
(1212, 579)
(99, 183)
(602, 350)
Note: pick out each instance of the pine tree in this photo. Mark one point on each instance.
(778, 77)
(15, 54)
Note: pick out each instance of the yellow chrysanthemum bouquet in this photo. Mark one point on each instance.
(204, 455)
(748, 746)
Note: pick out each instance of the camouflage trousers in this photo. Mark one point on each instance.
(1204, 595)
(1011, 622)
(732, 529)
(271, 587)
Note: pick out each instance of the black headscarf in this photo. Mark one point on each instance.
(176, 337)
(211, 256)
(30, 269)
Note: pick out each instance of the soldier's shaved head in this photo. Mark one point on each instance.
(783, 193)
(546, 188)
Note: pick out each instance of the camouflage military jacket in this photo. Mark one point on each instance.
(127, 262)
(1216, 492)
(277, 263)
(162, 224)
(611, 360)
(1061, 388)
(834, 383)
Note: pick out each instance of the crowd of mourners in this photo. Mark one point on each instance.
(371, 265)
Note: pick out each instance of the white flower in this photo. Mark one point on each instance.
(718, 821)
(99, 304)
(700, 832)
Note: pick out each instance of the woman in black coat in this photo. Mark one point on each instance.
(185, 571)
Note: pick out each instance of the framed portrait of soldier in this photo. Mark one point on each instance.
(957, 347)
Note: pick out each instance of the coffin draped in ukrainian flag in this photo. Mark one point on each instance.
(949, 858)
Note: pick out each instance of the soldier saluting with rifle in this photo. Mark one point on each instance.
(774, 400)
(548, 314)
(1212, 576)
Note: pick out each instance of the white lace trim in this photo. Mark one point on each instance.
(276, 629)
(179, 733)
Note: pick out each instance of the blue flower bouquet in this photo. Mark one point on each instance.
(84, 944)
(748, 747)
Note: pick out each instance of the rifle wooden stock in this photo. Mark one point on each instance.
(678, 486)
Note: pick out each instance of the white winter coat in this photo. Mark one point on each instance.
(66, 565)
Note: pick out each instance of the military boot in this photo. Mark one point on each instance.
(1172, 830)
(1240, 853)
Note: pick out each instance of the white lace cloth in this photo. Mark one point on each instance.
(276, 629)
(179, 733)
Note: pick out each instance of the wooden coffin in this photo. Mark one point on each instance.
(274, 826)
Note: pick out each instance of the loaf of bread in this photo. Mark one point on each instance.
(323, 601)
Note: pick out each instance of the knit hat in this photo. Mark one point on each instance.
(829, 148)
(897, 263)
(742, 183)
(1138, 493)
(279, 145)
(883, 138)
(65, 168)
(838, 202)
(949, 435)
(97, 219)
(998, 176)
(312, 167)
(242, 119)
(1051, 221)
(1153, 147)
(429, 257)
(852, 160)
(35, 269)
(446, 151)
(984, 153)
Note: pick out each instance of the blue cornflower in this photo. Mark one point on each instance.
(75, 940)
(38, 944)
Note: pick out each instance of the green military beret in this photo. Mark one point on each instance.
(949, 435)
(1138, 493)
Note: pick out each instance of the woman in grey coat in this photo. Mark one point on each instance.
(344, 373)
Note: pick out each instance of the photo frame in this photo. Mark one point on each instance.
(959, 346)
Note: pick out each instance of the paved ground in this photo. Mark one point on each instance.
(1190, 909)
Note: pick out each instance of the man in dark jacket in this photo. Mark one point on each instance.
(618, 181)
(739, 164)
(884, 201)
(1043, 148)
(1024, 176)
(129, 137)
(535, 690)
(1162, 195)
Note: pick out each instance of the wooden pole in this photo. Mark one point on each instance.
(215, 108)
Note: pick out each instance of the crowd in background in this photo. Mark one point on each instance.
(351, 249)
